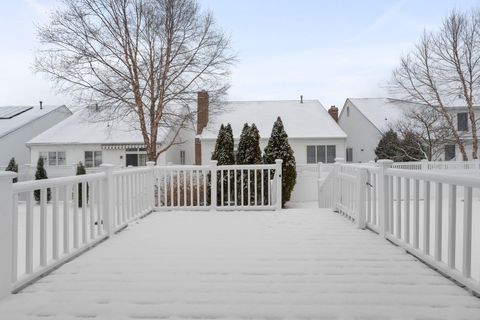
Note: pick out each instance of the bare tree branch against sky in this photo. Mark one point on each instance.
(321, 49)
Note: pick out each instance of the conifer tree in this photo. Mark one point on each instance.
(12, 166)
(81, 171)
(219, 143)
(278, 147)
(242, 144)
(388, 146)
(41, 174)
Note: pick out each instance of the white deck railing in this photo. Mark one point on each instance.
(235, 187)
(429, 214)
(44, 223)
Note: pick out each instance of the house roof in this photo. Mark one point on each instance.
(381, 112)
(81, 128)
(18, 117)
(301, 120)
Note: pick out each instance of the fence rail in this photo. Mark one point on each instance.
(428, 213)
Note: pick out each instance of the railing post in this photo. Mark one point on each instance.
(424, 164)
(383, 191)
(108, 195)
(151, 184)
(213, 185)
(6, 232)
(336, 185)
(361, 198)
(278, 178)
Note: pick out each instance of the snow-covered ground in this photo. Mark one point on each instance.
(295, 264)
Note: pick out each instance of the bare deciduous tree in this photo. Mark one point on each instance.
(143, 59)
(429, 129)
(443, 70)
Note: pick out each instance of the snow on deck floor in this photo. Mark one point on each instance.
(297, 264)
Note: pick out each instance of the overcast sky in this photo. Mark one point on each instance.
(324, 49)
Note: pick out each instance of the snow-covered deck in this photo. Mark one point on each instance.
(297, 264)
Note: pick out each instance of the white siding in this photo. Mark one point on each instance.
(362, 135)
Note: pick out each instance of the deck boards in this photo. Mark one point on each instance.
(298, 264)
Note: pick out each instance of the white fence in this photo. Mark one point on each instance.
(44, 223)
(237, 187)
(429, 214)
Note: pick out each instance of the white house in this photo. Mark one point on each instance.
(80, 138)
(20, 124)
(312, 132)
(365, 119)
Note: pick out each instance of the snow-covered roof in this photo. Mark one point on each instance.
(82, 128)
(382, 112)
(29, 115)
(301, 120)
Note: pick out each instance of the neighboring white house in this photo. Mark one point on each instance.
(365, 120)
(79, 138)
(312, 132)
(20, 124)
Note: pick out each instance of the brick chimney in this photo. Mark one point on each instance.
(202, 121)
(333, 111)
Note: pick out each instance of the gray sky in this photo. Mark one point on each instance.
(326, 50)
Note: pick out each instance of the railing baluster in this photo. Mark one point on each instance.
(398, 220)
(406, 204)
(438, 221)
(43, 227)
(75, 216)
(55, 223)
(416, 212)
(262, 194)
(222, 193)
(84, 212)
(66, 219)
(205, 178)
(29, 234)
(229, 187)
(198, 188)
(92, 201)
(100, 209)
(426, 218)
(242, 188)
(235, 173)
(452, 223)
(467, 232)
(192, 189)
(15, 238)
(255, 185)
(184, 188)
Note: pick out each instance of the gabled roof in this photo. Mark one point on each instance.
(81, 128)
(29, 114)
(381, 112)
(301, 120)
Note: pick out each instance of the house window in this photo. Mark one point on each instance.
(182, 156)
(53, 158)
(462, 121)
(321, 153)
(348, 111)
(349, 155)
(449, 152)
(135, 157)
(93, 158)
(331, 154)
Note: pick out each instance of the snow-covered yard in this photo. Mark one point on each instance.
(300, 263)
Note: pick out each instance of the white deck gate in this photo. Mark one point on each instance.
(44, 223)
(429, 214)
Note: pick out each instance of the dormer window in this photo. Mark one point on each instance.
(462, 121)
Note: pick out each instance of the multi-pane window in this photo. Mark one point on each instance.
(53, 158)
(449, 152)
(462, 121)
(349, 155)
(93, 158)
(182, 156)
(321, 153)
(135, 157)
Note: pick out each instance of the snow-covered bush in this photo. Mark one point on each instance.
(12, 166)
